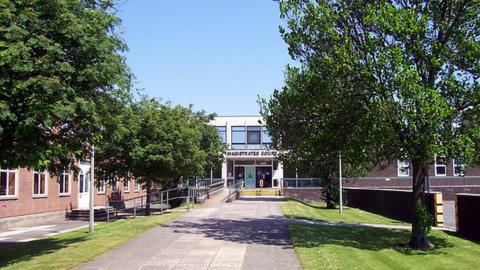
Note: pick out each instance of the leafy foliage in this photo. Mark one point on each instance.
(58, 59)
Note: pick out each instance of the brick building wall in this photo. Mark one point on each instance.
(25, 202)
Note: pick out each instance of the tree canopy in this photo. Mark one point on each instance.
(413, 70)
(58, 59)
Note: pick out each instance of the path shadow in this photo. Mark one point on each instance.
(376, 239)
(261, 199)
(13, 252)
(271, 230)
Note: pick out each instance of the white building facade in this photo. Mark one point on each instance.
(249, 156)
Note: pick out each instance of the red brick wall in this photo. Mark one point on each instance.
(26, 203)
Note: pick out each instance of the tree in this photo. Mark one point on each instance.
(156, 144)
(417, 64)
(308, 124)
(57, 58)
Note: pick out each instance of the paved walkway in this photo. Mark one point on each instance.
(245, 234)
(15, 235)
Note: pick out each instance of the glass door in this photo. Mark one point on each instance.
(250, 177)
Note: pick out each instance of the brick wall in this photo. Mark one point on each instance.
(304, 194)
(25, 203)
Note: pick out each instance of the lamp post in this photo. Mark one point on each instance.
(91, 188)
(340, 181)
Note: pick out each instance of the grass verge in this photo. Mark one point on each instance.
(67, 250)
(318, 211)
(335, 247)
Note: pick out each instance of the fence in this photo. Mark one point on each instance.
(162, 200)
(468, 220)
(301, 182)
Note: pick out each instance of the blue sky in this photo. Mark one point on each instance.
(216, 54)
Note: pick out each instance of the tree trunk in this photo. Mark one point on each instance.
(329, 191)
(149, 189)
(418, 238)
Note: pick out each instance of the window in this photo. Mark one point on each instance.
(64, 183)
(266, 139)
(39, 183)
(222, 133)
(403, 168)
(136, 186)
(115, 185)
(101, 187)
(440, 165)
(254, 137)
(458, 167)
(238, 138)
(8, 184)
(126, 185)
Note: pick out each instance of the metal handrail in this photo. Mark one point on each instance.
(301, 182)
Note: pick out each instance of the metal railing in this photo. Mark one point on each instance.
(301, 182)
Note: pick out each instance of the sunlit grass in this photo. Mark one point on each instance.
(335, 247)
(70, 249)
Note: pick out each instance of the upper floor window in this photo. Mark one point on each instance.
(403, 168)
(8, 183)
(254, 137)
(222, 133)
(64, 183)
(458, 167)
(39, 183)
(266, 139)
(440, 165)
(238, 137)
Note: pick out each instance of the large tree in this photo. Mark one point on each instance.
(57, 59)
(156, 143)
(415, 62)
(308, 125)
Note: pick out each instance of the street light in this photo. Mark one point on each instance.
(91, 188)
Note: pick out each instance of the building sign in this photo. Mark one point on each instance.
(251, 153)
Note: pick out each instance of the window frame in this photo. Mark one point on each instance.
(437, 165)
(136, 186)
(126, 185)
(232, 132)
(400, 165)
(224, 132)
(455, 164)
(8, 196)
(264, 131)
(69, 186)
(101, 187)
(40, 195)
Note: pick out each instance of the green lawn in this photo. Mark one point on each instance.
(70, 249)
(335, 247)
(318, 211)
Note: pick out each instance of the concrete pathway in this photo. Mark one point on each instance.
(11, 236)
(245, 234)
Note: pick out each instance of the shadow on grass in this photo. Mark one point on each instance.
(376, 239)
(11, 253)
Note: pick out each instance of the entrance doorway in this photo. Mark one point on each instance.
(264, 177)
(83, 185)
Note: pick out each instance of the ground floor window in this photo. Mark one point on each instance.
(101, 187)
(136, 187)
(39, 183)
(8, 185)
(65, 183)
